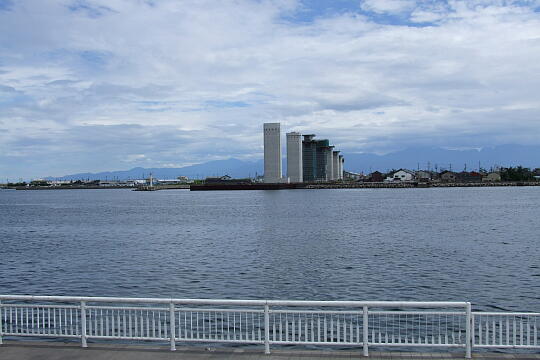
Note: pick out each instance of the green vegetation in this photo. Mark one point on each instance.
(518, 173)
(16, 184)
(39, 183)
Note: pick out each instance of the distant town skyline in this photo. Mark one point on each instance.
(96, 85)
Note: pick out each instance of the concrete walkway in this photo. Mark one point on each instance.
(26, 350)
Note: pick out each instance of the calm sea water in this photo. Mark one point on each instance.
(480, 245)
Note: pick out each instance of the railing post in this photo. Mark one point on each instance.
(473, 334)
(1, 323)
(83, 324)
(365, 324)
(172, 323)
(266, 329)
(468, 337)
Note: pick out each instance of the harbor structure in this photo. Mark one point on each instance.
(272, 152)
(294, 157)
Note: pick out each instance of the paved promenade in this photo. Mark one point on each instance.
(26, 350)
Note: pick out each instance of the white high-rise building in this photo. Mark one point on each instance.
(335, 165)
(341, 161)
(330, 163)
(272, 152)
(294, 157)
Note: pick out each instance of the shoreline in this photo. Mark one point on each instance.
(24, 188)
(417, 185)
(294, 186)
(397, 185)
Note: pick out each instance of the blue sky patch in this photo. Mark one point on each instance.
(83, 6)
(95, 58)
(226, 104)
(311, 10)
(6, 5)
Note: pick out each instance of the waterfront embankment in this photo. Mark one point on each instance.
(263, 186)
(399, 185)
(158, 187)
(354, 185)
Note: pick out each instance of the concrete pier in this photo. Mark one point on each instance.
(26, 350)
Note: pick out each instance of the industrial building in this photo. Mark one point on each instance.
(335, 161)
(294, 157)
(272, 153)
(315, 153)
(308, 159)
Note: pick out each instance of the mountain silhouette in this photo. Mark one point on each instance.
(412, 158)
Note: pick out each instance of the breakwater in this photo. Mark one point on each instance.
(256, 186)
(353, 185)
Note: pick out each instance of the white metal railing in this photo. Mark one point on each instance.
(506, 330)
(267, 322)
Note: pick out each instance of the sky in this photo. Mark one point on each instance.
(95, 85)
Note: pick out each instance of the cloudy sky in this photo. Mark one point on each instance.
(91, 85)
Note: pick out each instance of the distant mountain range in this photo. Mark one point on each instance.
(504, 155)
(422, 157)
(232, 167)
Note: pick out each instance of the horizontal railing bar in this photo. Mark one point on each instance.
(183, 309)
(416, 344)
(195, 340)
(359, 343)
(315, 312)
(508, 346)
(35, 306)
(277, 342)
(368, 303)
(126, 308)
(127, 338)
(479, 313)
(370, 312)
(419, 304)
(417, 313)
(41, 335)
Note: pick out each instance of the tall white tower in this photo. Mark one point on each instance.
(341, 161)
(330, 163)
(272, 152)
(335, 165)
(294, 157)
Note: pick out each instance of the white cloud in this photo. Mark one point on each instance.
(180, 84)
(387, 6)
